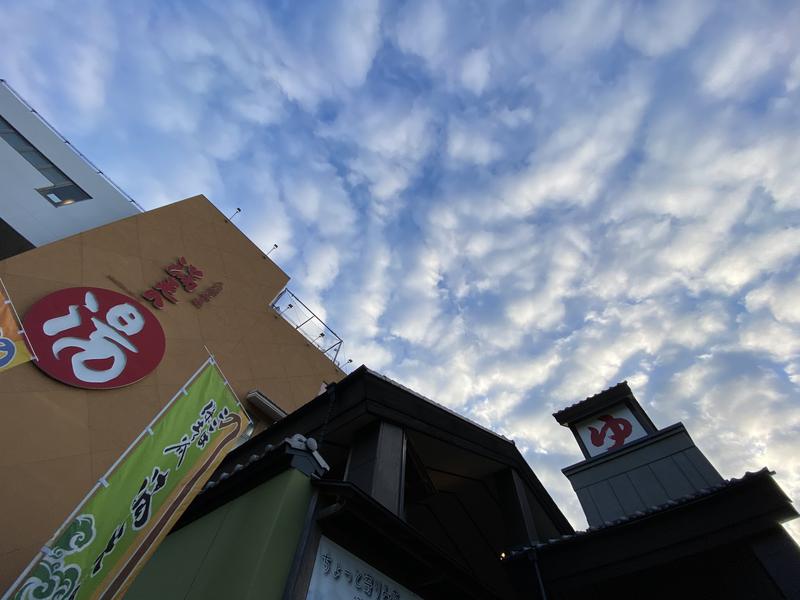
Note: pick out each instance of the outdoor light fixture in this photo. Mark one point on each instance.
(230, 219)
(274, 247)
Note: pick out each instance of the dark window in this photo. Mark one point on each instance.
(55, 175)
(64, 191)
(62, 195)
(11, 242)
(16, 141)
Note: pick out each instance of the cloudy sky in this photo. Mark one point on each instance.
(506, 206)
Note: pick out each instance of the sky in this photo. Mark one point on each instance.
(505, 206)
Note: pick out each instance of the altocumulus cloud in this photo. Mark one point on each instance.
(507, 206)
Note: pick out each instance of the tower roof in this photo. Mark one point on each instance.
(598, 403)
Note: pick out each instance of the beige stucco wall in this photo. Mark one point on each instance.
(55, 440)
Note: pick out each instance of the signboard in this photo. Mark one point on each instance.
(109, 537)
(340, 575)
(13, 350)
(610, 430)
(94, 338)
(180, 274)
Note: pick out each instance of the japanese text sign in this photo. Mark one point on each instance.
(13, 350)
(207, 294)
(111, 534)
(180, 274)
(610, 430)
(340, 575)
(94, 338)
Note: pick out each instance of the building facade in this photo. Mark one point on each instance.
(69, 235)
(403, 499)
(368, 491)
(49, 190)
(662, 521)
(62, 438)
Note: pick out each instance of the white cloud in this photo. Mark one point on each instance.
(738, 404)
(736, 65)
(465, 143)
(577, 28)
(781, 298)
(312, 55)
(571, 167)
(391, 140)
(750, 257)
(322, 263)
(733, 63)
(763, 334)
(416, 312)
(315, 194)
(793, 77)
(354, 39)
(421, 29)
(263, 105)
(657, 28)
(475, 70)
(83, 63)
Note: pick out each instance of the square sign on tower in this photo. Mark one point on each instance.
(630, 465)
(606, 421)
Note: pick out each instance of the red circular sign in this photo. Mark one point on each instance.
(94, 338)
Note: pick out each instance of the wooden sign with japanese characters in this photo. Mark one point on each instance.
(341, 575)
(180, 275)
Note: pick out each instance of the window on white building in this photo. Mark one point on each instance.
(63, 190)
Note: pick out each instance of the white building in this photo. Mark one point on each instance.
(48, 190)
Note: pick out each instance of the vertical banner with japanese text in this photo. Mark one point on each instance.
(13, 350)
(109, 537)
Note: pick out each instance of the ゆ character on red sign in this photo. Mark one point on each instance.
(618, 427)
(94, 338)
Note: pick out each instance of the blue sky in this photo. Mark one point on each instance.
(506, 206)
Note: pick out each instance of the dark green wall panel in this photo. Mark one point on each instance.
(243, 550)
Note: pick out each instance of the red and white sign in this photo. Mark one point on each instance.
(94, 338)
(610, 430)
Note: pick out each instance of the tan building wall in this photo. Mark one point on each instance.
(56, 440)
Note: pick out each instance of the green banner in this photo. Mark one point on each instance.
(123, 519)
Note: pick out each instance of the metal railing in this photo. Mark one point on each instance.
(303, 319)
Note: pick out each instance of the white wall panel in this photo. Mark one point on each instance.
(25, 209)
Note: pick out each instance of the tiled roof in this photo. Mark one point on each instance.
(703, 493)
(614, 391)
(296, 442)
(434, 403)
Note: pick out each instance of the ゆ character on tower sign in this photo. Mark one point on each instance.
(618, 427)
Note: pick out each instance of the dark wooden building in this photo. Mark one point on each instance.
(402, 498)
